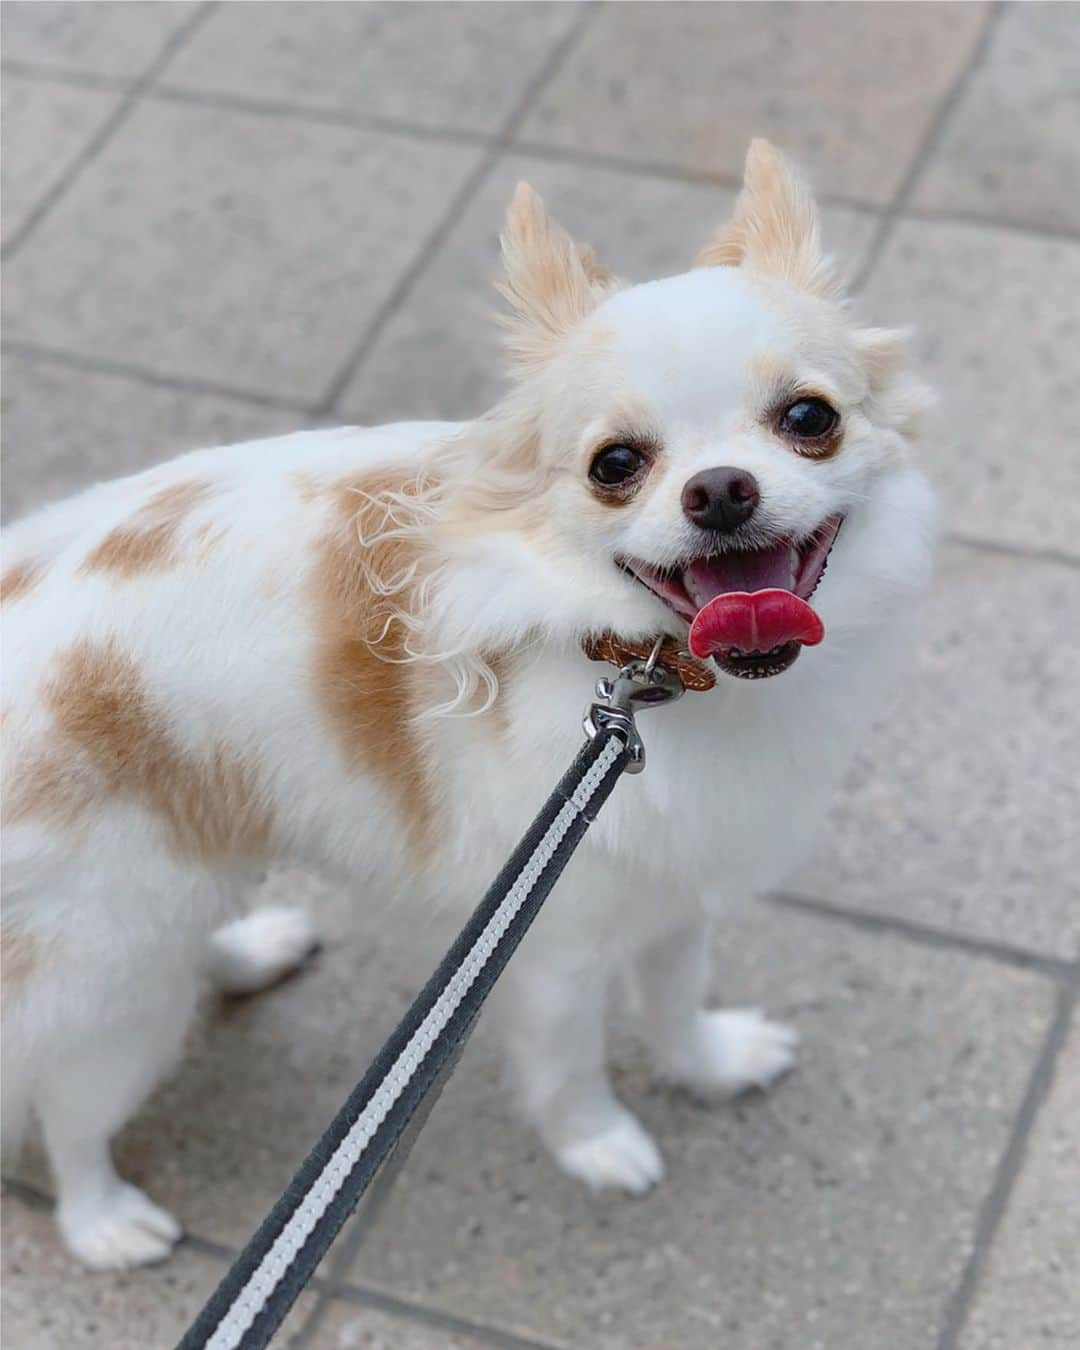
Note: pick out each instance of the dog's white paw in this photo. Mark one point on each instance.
(122, 1230)
(621, 1157)
(256, 951)
(732, 1051)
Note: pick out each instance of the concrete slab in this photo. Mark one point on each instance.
(1012, 151)
(117, 39)
(441, 65)
(961, 811)
(45, 126)
(996, 328)
(851, 91)
(837, 1210)
(51, 1303)
(244, 250)
(1028, 1294)
(359, 1326)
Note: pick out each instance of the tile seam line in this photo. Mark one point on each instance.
(298, 112)
(336, 1291)
(1022, 552)
(94, 365)
(499, 1338)
(163, 92)
(928, 146)
(66, 75)
(995, 1203)
(1057, 969)
(1033, 229)
(581, 157)
(450, 218)
(107, 129)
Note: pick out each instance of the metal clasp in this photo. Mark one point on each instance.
(639, 684)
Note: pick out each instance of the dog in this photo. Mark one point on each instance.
(360, 649)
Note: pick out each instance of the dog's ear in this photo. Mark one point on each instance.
(774, 229)
(551, 282)
(899, 398)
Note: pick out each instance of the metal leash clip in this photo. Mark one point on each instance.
(639, 684)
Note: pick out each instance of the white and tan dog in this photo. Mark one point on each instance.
(359, 649)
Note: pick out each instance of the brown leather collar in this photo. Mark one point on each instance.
(617, 651)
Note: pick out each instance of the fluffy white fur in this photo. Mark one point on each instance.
(109, 926)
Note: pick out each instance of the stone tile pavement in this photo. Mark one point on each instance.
(227, 220)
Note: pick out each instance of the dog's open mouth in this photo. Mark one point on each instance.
(747, 608)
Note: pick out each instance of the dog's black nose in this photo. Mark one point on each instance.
(720, 499)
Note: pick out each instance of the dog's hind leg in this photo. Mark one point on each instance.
(101, 1017)
(107, 1223)
(714, 1054)
(259, 949)
(124, 1030)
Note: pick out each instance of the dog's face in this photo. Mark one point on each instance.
(709, 435)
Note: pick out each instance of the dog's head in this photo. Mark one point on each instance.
(715, 432)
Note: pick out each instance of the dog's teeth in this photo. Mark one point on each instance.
(795, 560)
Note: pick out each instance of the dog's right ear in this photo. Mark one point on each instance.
(551, 282)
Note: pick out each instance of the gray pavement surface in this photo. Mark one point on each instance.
(230, 220)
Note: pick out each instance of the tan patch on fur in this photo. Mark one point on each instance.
(21, 955)
(207, 537)
(147, 542)
(308, 488)
(367, 695)
(211, 806)
(54, 788)
(20, 578)
(774, 230)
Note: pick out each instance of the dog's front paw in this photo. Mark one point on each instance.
(622, 1156)
(253, 953)
(123, 1229)
(730, 1052)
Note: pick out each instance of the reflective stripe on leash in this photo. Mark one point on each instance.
(252, 1300)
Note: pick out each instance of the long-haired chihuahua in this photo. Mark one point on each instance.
(361, 649)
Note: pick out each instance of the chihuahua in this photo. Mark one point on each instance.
(361, 650)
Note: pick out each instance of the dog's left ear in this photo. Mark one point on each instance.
(899, 398)
(774, 230)
(551, 282)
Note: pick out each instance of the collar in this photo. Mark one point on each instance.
(617, 651)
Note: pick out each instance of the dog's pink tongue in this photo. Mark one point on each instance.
(754, 621)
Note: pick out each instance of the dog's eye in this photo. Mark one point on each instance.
(616, 464)
(809, 419)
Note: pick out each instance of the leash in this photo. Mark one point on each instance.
(250, 1303)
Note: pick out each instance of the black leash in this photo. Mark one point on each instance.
(248, 1306)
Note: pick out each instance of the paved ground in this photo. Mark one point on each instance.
(225, 220)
